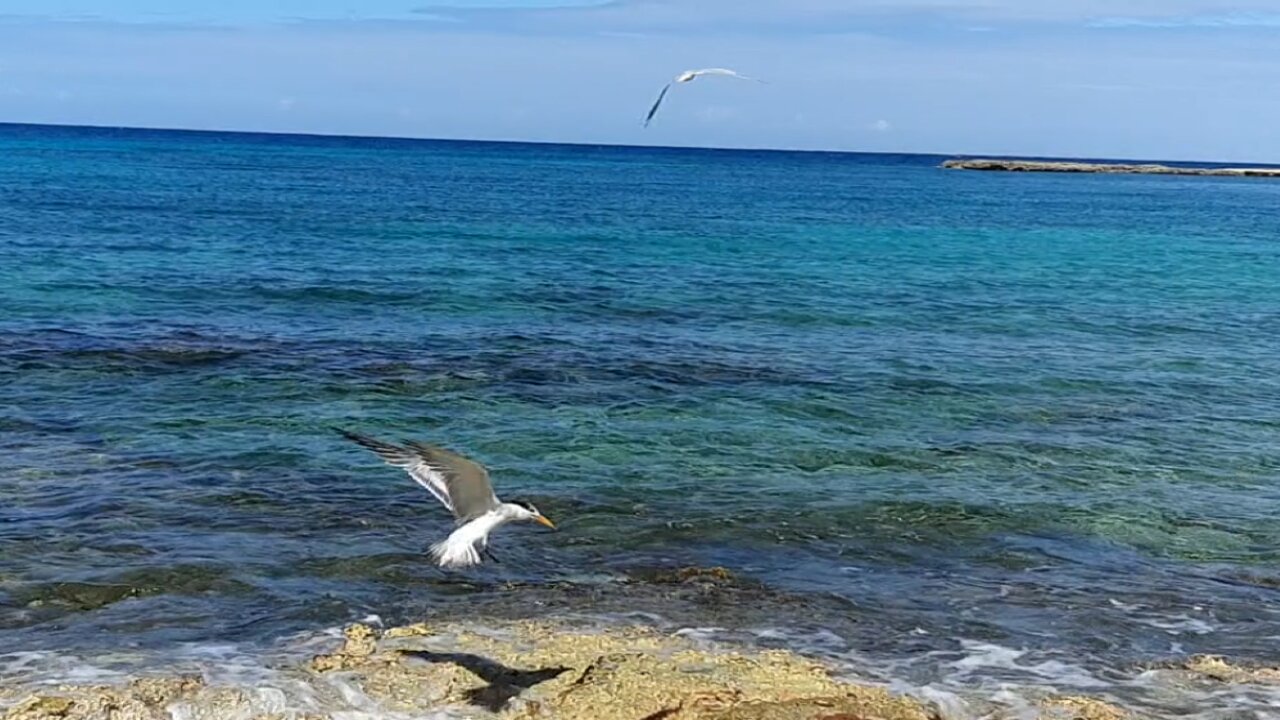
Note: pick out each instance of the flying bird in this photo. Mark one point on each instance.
(690, 76)
(463, 487)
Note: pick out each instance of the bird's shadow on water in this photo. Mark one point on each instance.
(502, 682)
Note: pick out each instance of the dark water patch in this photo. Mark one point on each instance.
(11, 424)
(144, 358)
(1260, 580)
(826, 459)
(184, 580)
(397, 569)
(124, 549)
(823, 409)
(678, 594)
(705, 372)
(75, 596)
(165, 356)
(673, 372)
(895, 528)
(246, 500)
(154, 463)
(429, 385)
(254, 453)
(543, 375)
(570, 298)
(92, 595)
(929, 386)
(815, 319)
(333, 294)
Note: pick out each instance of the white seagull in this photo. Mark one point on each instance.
(690, 76)
(463, 487)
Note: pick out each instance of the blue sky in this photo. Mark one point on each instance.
(1193, 79)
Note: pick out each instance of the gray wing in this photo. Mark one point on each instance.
(658, 103)
(461, 485)
(468, 481)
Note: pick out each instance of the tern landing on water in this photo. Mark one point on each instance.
(690, 76)
(463, 487)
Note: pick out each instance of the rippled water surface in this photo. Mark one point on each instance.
(944, 412)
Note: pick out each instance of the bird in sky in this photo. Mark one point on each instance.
(690, 76)
(462, 486)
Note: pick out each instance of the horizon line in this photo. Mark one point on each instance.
(498, 141)
(629, 146)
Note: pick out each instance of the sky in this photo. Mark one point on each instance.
(1151, 79)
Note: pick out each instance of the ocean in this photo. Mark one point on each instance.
(978, 433)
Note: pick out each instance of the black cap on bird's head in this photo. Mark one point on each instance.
(537, 516)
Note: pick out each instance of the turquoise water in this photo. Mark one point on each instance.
(1032, 411)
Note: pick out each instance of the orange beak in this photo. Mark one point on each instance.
(545, 521)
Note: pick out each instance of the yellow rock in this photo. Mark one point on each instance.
(1081, 708)
(158, 691)
(1218, 668)
(361, 642)
(40, 708)
(526, 671)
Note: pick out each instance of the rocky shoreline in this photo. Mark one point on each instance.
(1105, 168)
(517, 671)
(576, 667)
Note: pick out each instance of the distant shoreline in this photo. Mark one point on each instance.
(1105, 168)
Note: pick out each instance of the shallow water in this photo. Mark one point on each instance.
(1019, 414)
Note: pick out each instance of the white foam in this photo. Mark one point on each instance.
(949, 704)
(819, 639)
(971, 680)
(1178, 625)
(988, 656)
(702, 634)
(51, 668)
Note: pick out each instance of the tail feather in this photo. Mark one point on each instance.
(456, 552)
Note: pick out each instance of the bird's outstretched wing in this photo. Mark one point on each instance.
(723, 71)
(657, 103)
(461, 485)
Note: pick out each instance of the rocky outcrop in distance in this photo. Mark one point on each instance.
(1105, 168)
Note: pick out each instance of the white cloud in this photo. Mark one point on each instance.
(882, 126)
(425, 15)
(839, 16)
(632, 18)
(1233, 20)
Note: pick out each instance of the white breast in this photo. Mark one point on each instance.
(462, 547)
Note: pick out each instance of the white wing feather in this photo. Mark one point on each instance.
(691, 74)
(436, 469)
(433, 481)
